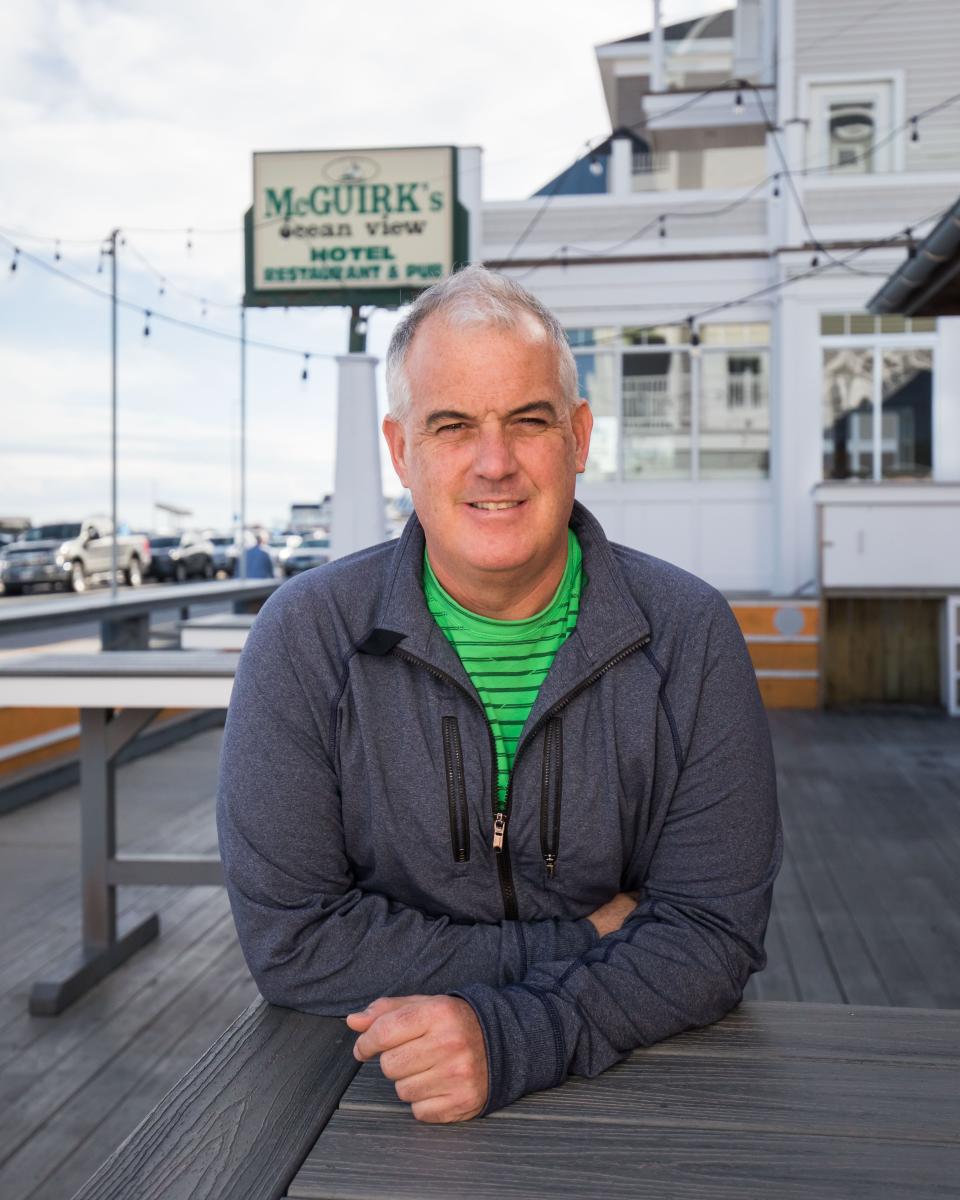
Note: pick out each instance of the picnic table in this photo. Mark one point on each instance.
(785, 1100)
(216, 631)
(141, 684)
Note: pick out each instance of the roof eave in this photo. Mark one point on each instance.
(913, 289)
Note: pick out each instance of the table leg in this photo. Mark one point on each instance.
(104, 947)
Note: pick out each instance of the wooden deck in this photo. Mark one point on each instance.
(867, 911)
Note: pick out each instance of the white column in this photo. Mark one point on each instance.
(620, 181)
(658, 76)
(796, 440)
(358, 513)
(946, 401)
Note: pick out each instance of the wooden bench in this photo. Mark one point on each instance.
(789, 1100)
(142, 684)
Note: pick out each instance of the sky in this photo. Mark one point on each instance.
(144, 117)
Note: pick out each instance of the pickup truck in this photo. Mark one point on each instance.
(71, 555)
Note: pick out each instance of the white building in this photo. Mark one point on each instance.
(757, 156)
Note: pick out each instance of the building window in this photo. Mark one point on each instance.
(851, 129)
(847, 126)
(877, 397)
(660, 413)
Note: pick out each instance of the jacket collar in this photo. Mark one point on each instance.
(609, 619)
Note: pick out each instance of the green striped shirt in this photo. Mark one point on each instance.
(507, 661)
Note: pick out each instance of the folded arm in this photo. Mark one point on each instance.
(683, 955)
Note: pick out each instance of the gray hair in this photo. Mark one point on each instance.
(475, 296)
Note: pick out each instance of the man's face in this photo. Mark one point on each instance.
(489, 449)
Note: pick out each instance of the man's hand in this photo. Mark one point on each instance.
(433, 1049)
(609, 917)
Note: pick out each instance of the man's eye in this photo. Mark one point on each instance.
(451, 427)
(533, 422)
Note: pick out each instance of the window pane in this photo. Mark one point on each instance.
(851, 126)
(923, 324)
(597, 377)
(906, 421)
(735, 334)
(656, 335)
(863, 323)
(590, 337)
(892, 323)
(847, 414)
(735, 415)
(832, 323)
(656, 415)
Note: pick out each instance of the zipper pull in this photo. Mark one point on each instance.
(550, 861)
(499, 831)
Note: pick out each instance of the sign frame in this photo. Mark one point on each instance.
(392, 296)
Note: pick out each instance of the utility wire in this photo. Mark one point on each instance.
(154, 315)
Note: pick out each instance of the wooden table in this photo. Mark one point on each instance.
(778, 1101)
(218, 631)
(142, 684)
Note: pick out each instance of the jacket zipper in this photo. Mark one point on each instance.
(456, 790)
(551, 778)
(504, 872)
(501, 819)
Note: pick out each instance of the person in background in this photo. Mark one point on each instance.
(257, 562)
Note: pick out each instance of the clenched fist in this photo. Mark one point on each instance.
(432, 1047)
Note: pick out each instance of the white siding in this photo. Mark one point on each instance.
(920, 38)
(596, 223)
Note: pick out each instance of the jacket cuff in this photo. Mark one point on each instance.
(524, 1040)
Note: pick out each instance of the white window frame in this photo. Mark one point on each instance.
(884, 88)
(618, 347)
(876, 343)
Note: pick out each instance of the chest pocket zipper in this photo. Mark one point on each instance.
(456, 791)
(551, 781)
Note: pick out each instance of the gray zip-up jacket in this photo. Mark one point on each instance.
(356, 812)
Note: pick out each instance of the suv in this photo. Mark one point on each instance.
(72, 555)
(180, 557)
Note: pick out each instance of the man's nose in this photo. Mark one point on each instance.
(494, 453)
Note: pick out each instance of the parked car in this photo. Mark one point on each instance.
(72, 554)
(182, 557)
(312, 552)
(224, 562)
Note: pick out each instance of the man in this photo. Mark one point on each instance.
(501, 792)
(257, 563)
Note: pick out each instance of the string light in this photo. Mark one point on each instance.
(815, 260)
(100, 262)
(596, 166)
(776, 187)
(203, 308)
(694, 338)
(146, 322)
(662, 220)
(13, 261)
(911, 244)
(914, 129)
(162, 289)
(738, 104)
(305, 373)
(361, 325)
(56, 250)
(189, 240)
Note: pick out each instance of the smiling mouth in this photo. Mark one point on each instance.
(494, 505)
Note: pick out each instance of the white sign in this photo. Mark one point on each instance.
(353, 219)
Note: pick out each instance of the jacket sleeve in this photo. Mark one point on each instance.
(311, 938)
(683, 956)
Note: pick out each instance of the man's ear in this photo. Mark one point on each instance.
(582, 421)
(396, 436)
